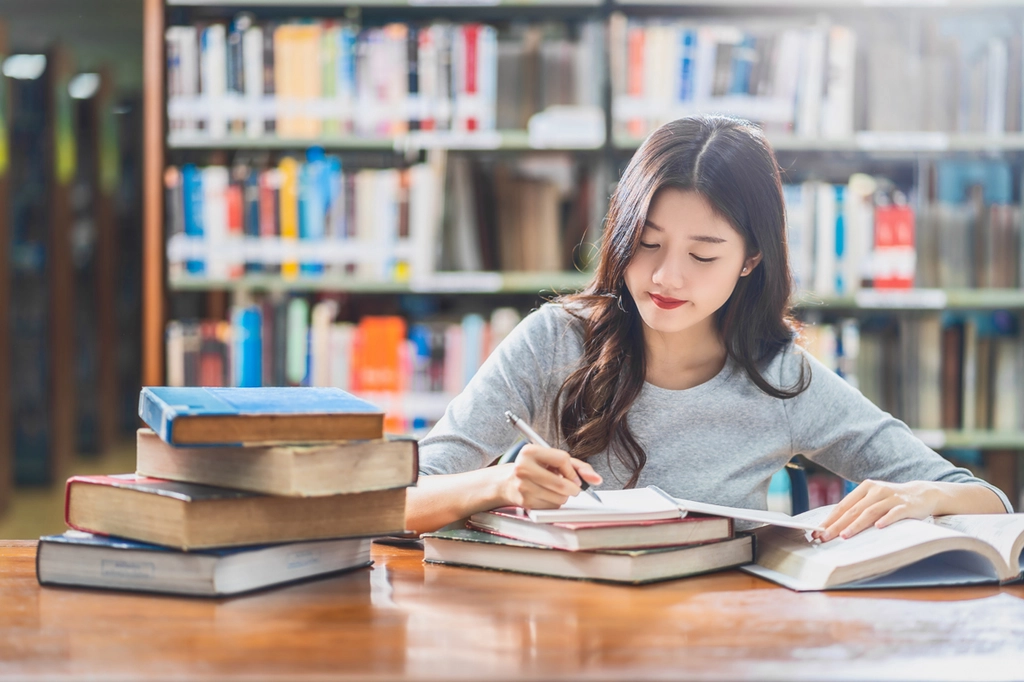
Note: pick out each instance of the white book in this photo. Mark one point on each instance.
(800, 214)
(341, 338)
(837, 108)
(812, 76)
(215, 181)
(424, 220)
(213, 78)
(175, 353)
(787, 65)
(386, 223)
(321, 317)
(365, 194)
(252, 55)
(998, 66)
(947, 550)
(825, 240)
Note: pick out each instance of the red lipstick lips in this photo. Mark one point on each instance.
(666, 303)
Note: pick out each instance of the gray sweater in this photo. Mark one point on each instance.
(718, 442)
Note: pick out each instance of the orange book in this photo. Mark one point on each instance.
(377, 363)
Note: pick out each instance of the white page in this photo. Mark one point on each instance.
(756, 515)
(615, 505)
(1002, 531)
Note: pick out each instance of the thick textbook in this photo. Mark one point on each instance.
(465, 547)
(653, 503)
(294, 470)
(947, 550)
(515, 523)
(257, 416)
(86, 560)
(189, 516)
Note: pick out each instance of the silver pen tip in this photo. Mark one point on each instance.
(511, 417)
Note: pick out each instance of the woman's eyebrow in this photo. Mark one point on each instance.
(706, 238)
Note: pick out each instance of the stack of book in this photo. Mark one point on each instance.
(236, 489)
(631, 536)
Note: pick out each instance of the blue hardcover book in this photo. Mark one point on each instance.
(192, 190)
(251, 416)
(314, 192)
(86, 560)
(246, 332)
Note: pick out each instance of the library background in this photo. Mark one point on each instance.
(371, 195)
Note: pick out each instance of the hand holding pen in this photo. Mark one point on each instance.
(558, 466)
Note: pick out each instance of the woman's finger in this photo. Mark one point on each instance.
(844, 505)
(538, 497)
(867, 518)
(897, 513)
(837, 526)
(532, 470)
(586, 472)
(552, 458)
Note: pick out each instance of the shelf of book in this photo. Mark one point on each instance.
(314, 4)
(909, 143)
(972, 440)
(443, 282)
(930, 5)
(499, 140)
(916, 299)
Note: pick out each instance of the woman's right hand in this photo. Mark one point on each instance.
(544, 478)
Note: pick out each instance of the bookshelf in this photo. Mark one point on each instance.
(866, 141)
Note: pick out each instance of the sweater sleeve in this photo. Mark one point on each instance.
(834, 425)
(517, 376)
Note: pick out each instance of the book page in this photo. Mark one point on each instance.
(804, 521)
(1005, 532)
(872, 552)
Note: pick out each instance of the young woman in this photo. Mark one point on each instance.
(677, 366)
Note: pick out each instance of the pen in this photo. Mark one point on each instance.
(535, 438)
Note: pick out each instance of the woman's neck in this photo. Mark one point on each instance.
(684, 359)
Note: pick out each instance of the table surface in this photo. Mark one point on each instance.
(403, 619)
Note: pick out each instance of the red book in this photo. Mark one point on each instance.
(236, 217)
(895, 258)
(512, 522)
(471, 34)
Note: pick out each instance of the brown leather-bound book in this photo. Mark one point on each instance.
(189, 516)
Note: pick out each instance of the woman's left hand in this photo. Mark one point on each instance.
(876, 503)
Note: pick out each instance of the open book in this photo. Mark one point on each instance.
(650, 504)
(947, 550)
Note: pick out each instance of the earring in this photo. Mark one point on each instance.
(618, 302)
(743, 271)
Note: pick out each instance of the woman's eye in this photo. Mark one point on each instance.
(702, 260)
(648, 246)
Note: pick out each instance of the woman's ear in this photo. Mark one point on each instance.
(750, 264)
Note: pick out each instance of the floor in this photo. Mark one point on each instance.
(40, 511)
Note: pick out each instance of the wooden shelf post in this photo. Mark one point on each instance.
(152, 193)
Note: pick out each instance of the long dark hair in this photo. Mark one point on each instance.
(730, 164)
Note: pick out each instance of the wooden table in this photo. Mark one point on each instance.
(406, 620)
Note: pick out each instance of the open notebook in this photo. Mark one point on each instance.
(653, 503)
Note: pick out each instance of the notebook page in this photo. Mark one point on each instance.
(615, 505)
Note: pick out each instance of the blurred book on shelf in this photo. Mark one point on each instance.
(313, 218)
(410, 369)
(249, 78)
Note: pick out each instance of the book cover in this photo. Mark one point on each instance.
(465, 547)
(190, 516)
(86, 560)
(228, 416)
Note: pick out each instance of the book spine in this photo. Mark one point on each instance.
(157, 414)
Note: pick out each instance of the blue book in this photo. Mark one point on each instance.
(254, 416)
(192, 191)
(246, 333)
(86, 560)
